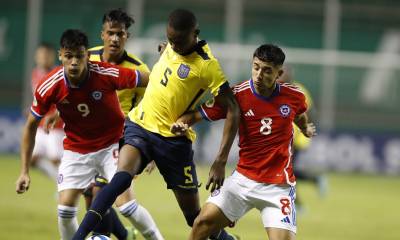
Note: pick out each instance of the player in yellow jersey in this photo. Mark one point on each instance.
(114, 35)
(185, 71)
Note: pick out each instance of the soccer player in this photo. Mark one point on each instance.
(114, 35)
(263, 178)
(301, 143)
(84, 94)
(184, 72)
(48, 148)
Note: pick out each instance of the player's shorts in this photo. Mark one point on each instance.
(78, 170)
(172, 155)
(49, 146)
(240, 194)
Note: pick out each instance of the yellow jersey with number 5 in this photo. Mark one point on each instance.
(128, 98)
(176, 85)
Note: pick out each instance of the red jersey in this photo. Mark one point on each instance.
(91, 112)
(37, 75)
(265, 131)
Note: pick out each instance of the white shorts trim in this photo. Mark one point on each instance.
(240, 194)
(78, 170)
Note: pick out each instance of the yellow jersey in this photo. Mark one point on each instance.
(176, 84)
(128, 98)
(300, 141)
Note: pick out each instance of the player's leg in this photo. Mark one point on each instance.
(278, 211)
(210, 220)
(138, 216)
(130, 163)
(40, 158)
(280, 234)
(75, 174)
(67, 209)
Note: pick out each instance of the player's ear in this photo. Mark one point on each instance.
(59, 55)
(102, 35)
(197, 32)
(280, 73)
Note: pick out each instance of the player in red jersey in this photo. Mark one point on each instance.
(263, 178)
(84, 94)
(48, 148)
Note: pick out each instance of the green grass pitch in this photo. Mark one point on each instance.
(357, 207)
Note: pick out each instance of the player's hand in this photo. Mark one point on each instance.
(179, 128)
(161, 47)
(150, 167)
(310, 130)
(216, 176)
(50, 121)
(22, 184)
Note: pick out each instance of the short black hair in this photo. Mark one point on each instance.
(270, 53)
(182, 20)
(119, 16)
(74, 39)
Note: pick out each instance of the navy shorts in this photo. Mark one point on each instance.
(172, 155)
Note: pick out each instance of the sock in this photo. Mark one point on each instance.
(104, 226)
(67, 221)
(104, 200)
(118, 229)
(222, 235)
(48, 168)
(141, 219)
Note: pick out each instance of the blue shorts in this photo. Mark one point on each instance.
(172, 155)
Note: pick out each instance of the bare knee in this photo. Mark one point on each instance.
(205, 221)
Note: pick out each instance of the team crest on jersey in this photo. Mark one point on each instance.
(210, 103)
(183, 71)
(97, 95)
(284, 110)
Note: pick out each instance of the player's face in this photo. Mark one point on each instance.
(182, 42)
(75, 62)
(114, 36)
(45, 57)
(265, 74)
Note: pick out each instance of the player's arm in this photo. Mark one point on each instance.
(307, 128)
(144, 78)
(27, 144)
(227, 101)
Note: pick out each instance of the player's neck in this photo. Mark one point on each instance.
(75, 82)
(113, 59)
(265, 91)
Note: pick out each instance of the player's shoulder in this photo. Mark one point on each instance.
(132, 58)
(50, 80)
(241, 88)
(291, 89)
(98, 50)
(103, 68)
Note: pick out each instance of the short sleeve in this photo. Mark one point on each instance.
(41, 104)
(302, 107)
(215, 77)
(211, 111)
(126, 78)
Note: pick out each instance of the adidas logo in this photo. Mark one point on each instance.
(249, 113)
(65, 101)
(286, 220)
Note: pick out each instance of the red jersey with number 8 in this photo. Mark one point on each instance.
(265, 131)
(91, 111)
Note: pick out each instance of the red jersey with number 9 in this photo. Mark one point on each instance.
(91, 111)
(265, 131)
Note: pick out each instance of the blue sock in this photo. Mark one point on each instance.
(118, 229)
(104, 226)
(104, 200)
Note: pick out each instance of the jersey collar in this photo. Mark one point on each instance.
(276, 91)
